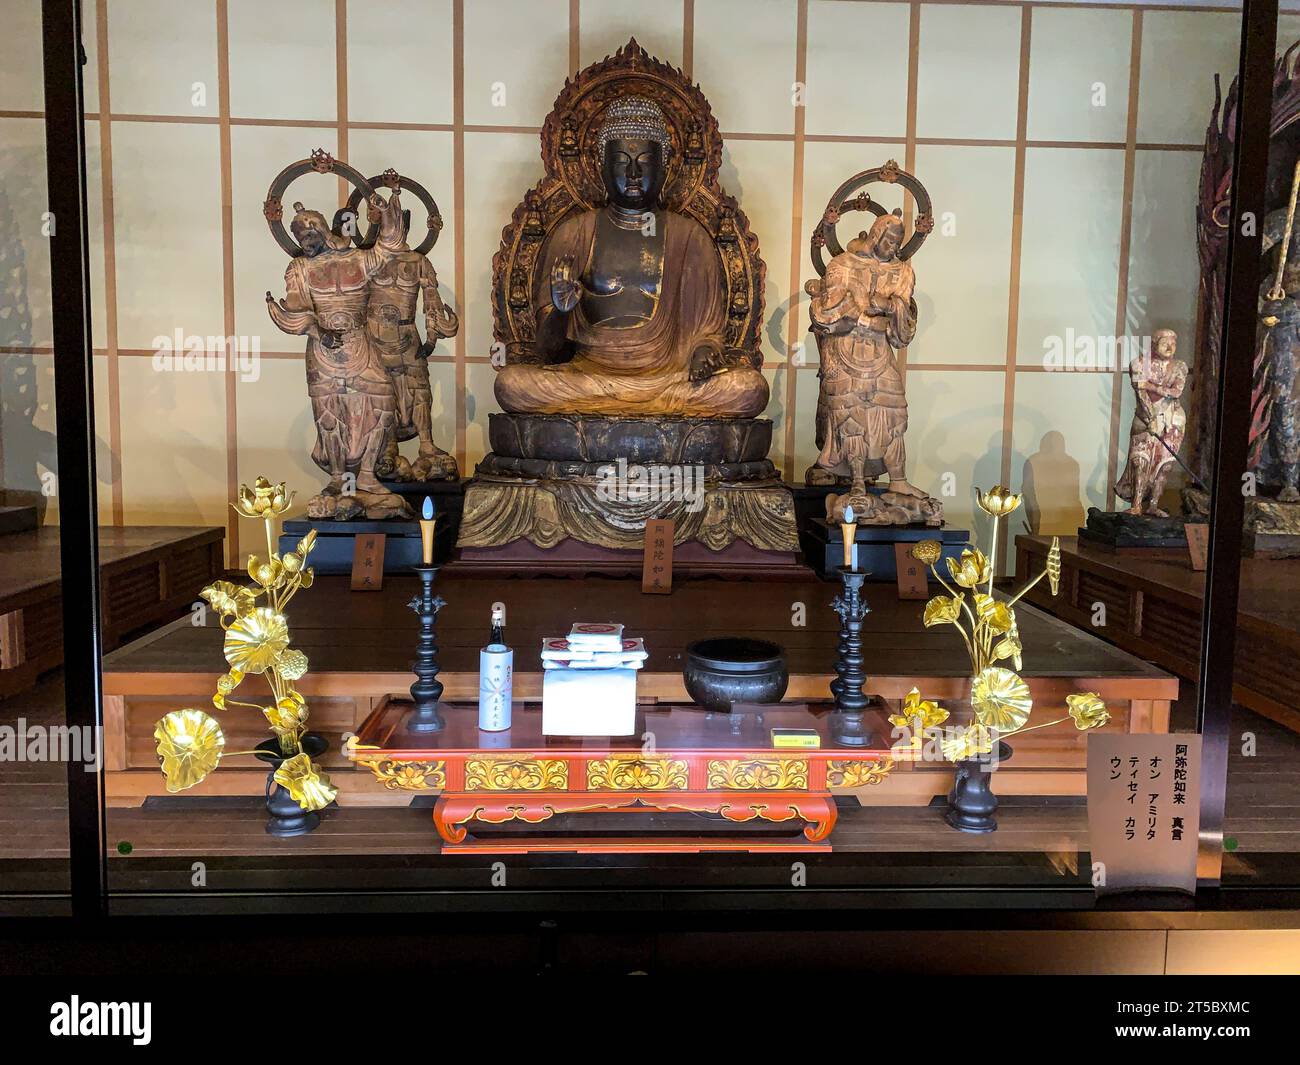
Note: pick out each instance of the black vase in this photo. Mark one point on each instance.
(972, 806)
(729, 671)
(287, 817)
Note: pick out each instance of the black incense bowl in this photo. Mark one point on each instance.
(727, 674)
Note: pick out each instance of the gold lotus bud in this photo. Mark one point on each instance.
(268, 573)
(972, 570)
(996, 614)
(927, 552)
(998, 501)
(1088, 710)
(917, 712)
(967, 743)
(1054, 565)
(263, 500)
(292, 562)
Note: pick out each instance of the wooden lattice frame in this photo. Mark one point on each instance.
(572, 183)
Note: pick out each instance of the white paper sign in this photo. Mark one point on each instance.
(1144, 803)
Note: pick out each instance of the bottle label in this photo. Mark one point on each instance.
(495, 687)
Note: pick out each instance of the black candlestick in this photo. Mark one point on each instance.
(848, 727)
(427, 689)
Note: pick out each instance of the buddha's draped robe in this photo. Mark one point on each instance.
(642, 369)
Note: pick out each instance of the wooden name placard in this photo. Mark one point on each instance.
(368, 562)
(657, 570)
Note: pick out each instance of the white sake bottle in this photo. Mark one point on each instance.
(496, 664)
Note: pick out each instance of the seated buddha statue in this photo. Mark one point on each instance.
(629, 299)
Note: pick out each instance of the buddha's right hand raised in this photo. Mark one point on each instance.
(566, 289)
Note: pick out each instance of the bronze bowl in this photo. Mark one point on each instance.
(729, 674)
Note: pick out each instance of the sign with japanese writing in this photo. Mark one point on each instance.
(368, 562)
(1144, 802)
(657, 570)
(1198, 543)
(913, 579)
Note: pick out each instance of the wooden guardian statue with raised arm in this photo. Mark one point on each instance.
(627, 306)
(862, 313)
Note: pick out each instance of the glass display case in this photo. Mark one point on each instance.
(838, 450)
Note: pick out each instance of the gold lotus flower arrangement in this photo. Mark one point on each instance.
(190, 742)
(1000, 699)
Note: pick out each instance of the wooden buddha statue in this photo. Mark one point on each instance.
(629, 299)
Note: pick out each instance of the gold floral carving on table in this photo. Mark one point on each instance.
(516, 774)
(637, 774)
(851, 773)
(758, 774)
(407, 776)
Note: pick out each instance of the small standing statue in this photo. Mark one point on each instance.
(862, 312)
(390, 315)
(1156, 432)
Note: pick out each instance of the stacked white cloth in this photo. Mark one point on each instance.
(589, 688)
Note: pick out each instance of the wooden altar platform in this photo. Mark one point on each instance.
(1153, 609)
(148, 574)
(360, 645)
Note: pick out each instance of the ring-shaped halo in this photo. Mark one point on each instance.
(842, 200)
(320, 162)
(406, 184)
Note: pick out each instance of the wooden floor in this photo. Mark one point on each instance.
(1040, 842)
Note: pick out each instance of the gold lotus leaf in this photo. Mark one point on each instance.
(967, 742)
(304, 546)
(995, 613)
(292, 664)
(927, 552)
(267, 574)
(972, 570)
(306, 784)
(942, 610)
(229, 599)
(998, 501)
(190, 743)
(917, 711)
(1000, 699)
(306, 577)
(1088, 710)
(256, 641)
(1054, 565)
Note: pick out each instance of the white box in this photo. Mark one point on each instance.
(589, 702)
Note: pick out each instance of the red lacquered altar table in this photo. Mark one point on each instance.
(679, 761)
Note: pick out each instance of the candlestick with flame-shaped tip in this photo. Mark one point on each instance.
(849, 530)
(427, 689)
(848, 725)
(427, 524)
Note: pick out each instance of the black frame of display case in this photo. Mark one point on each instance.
(1057, 907)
